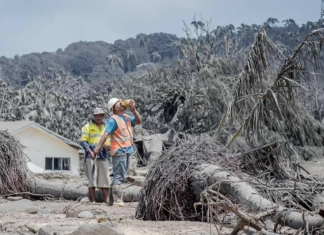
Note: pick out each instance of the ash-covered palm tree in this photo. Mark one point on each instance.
(131, 55)
(291, 38)
(266, 97)
(227, 30)
(290, 24)
(320, 23)
(245, 35)
(272, 21)
(115, 60)
(156, 57)
(219, 32)
(310, 26)
(267, 27)
(143, 40)
(224, 38)
(130, 59)
(255, 28)
(197, 24)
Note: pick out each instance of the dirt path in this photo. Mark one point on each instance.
(51, 213)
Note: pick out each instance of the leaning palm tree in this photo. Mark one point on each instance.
(266, 96)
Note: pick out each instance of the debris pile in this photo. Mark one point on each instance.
(13, 174)
(166, 192)
(199, 179)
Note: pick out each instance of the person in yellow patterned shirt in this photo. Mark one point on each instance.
(96, 167)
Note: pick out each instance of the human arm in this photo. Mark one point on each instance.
(101, 143)
(110, 128)
(87, 149)
(85, 141)
(138, 119)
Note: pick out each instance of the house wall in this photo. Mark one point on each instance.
(39, 145)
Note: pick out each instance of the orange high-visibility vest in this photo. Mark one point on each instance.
(122, 136)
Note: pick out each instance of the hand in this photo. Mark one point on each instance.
(92, 154)
(96, 151)
(132, 105)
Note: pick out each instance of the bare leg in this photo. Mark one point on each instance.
(105, 192)
(92, 194)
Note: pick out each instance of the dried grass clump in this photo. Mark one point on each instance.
(13, 174)
(166, 194)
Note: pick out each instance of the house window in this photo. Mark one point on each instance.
(57, 164)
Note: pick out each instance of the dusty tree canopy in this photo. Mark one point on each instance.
(266, 97)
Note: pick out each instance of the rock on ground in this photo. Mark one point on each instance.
(32, 210)
(13, 199)
(85, 214)
(85, 200)
(32, 227)
(45, 212)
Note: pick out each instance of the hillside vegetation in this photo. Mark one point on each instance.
(95, 61)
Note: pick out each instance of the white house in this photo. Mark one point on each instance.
(46, 150)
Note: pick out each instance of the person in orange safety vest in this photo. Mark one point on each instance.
(119, 128)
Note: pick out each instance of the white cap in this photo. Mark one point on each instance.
(112, 102)
(98, 111)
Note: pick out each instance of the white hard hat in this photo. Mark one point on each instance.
(97, 111)
(112, 102)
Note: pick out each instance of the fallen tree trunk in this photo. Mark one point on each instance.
(205, 175)
(71, 191)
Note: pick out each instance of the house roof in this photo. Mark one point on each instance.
(16, 126)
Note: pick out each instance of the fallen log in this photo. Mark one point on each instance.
(206, 175)
(71, 191)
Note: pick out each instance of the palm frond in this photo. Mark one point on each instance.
(276, 109)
